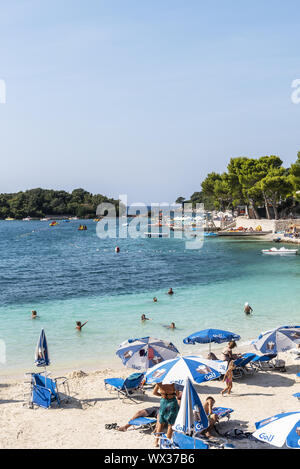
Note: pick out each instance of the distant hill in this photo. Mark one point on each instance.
(37, 203)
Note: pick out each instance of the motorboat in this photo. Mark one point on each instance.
(281, 251)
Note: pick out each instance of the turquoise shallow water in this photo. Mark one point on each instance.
(68, 275)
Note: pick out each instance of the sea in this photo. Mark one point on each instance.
(68, 275)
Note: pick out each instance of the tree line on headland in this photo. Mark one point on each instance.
(38, 203)
(253, 182)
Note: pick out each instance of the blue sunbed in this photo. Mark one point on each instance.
(143, 422)
(240, 365)
(263, 362)
(126, 387)
(222, 412)
(181, 441)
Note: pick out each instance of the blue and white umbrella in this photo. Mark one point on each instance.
(146, 352)
(191, 417)
(41, 352)
(280, 429)
(207, 336)
(278, 340)
(195, 368)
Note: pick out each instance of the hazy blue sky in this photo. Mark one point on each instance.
(144, 97)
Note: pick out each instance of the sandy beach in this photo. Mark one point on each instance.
(81, 422)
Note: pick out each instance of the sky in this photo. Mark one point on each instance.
(144, 97)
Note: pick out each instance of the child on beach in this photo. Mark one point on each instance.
(228, 377)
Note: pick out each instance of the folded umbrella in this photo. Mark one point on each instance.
(191, 417)
(41, 352)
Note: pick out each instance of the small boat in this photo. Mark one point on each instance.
(26, 219)
(281, 251)
(9, 219)
(210, 233)
(53, 223)
(44, 219)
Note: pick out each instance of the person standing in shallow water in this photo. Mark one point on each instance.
(247, 309)
(34, 314)
(170, 292)
(79, 326)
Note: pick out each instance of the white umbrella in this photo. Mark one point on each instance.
(280, 429)
(195, 368)
(277, 340)
(191, 417)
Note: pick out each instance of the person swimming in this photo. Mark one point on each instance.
(79, 326)
(170, 292)
(171, 326)
(143, 318)
(155, 299)
(34, 314)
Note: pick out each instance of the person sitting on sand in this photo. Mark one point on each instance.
(212, 418)
(170, 292)
(212, 356)
(151, 412)
(79, 326)
(34, 314)
(247, 309)
(228, 377)
(169, 407)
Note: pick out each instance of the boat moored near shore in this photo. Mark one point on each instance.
(281, 251)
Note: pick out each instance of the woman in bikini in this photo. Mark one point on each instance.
(169, 407)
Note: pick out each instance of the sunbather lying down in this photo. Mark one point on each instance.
(148, 412)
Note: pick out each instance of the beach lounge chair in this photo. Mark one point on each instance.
(181, 441)
(44, 390)
(240, 365)
(143, 423)
(127, 388)
(222, 412)
(263, 362)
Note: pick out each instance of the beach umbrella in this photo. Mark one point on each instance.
(207, 336)
(197, 369)
(146, 352)
(191, 417)
(278, 340)
(41, 352)
(280, 429)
